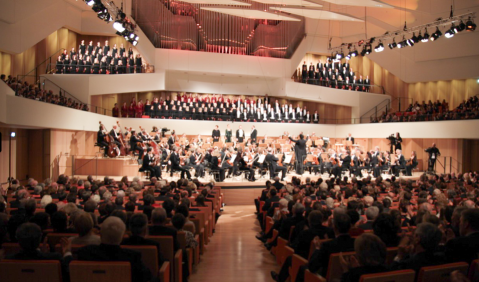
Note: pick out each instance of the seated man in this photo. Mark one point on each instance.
(466, 246)
(139, 230)
(423, 246)
(112, 231)
(159, 228)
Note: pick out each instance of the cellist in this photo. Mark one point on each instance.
(101, 139)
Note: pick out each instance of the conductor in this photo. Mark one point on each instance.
(300, 151)
(433, 154)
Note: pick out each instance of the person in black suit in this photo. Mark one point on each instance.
(101, 141)
(433, 154)
(273, 164)
(29, 236)
(350, 138)
(216, 134)
(159, 228)
(134, 144)
(112, 231)
(370, 258)
(138, 224)
(171, 140)
(254, 134)
(398, 142)
(215, 166)
(466, 246)
(318, 263)
(346, 165)
(371, 214)
(423, 249)
(175, 164)
(148, 164)
(300, 152)
(411, 164)
(400, 163)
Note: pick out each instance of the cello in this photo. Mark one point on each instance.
(113, 150)
(123, 148)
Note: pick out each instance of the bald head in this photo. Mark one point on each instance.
(112, 231)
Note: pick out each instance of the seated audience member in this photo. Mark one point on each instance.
(370, 258)
(29, 236)
(59, 222)
(386, 228)
(112, 231)
(466, 246)
(184, 210)
(139, 230)
(371, 214)
(159, 228)
(178, 222)
(84, 226)
(419, 250)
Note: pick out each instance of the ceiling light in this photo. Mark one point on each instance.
(450, 32)
(118, 25)
(363, 52)
(339, 56)
(460, 27)
(135, 43)
(393, 44)
(470, 25)
(435, 36)
(90, 2)
(369, 49)
(419, 37)
(402, 43)
(425, 38)
(379, 47)
(414, 38)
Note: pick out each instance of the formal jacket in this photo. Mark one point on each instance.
(320, 258)
(140, 241)
(463, 248)
(161, 230)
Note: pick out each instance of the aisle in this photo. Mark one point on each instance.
(234, 254)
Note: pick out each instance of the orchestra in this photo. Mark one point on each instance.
(204, 155)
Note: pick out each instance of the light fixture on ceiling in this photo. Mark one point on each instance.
(435, 36)
(402, 44)
(363, 52)
(355, 53)
(419, 37)
(393, 44)
(379, 47)
(460, 27)
(410, 42)
(90, 2)
(339, 55)
(414, 38)
(470, 25)
(450, 32)
(425, 38)
(119, 26)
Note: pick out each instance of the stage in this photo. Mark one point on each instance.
(237, 190)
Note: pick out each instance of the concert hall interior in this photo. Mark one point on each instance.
(234, 97)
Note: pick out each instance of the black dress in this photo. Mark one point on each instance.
(96, 68)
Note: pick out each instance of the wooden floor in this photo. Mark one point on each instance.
(234, 254)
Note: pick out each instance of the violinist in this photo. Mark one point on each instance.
(376, 162)
(344, 165)
(273, 164)
(240, 164)
(134, 144)
(317, 164)
(411, 164)
(225, 162)
(149, 164)
(101, 139)
(195, 162)
(175, 164)
(216, 165)
(355, 164)
(400, 163)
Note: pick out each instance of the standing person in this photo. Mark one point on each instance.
(138, 63)
(433, 154)
(216, 134)
(228, 134)
(300, 151)
(115, 111)
(350, 138)
(254, 134)
(398, 143)
(240, 134)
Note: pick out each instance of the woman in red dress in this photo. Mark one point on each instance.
(140, 107)
(132, 110)
(124, 110)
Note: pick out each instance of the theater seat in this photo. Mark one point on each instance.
(441, 273)
(334, 267)
(474, 270)
(296, 263)
(312, 277)
(149, 256)
(11, 248)
(175, 258)
(30, 270)
(407, 275)
(100, 271)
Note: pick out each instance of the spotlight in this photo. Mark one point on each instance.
(470, 25)
(380, 47)
(363, 52)
(118, 25)
(136, 38)
(339, 56)
(90, 2)
(460, 27)
(435, 36)
(393, 44)
(402, 43)
(450, 32)
(414, 38)
(135, 43)
(368, 49)
(425, 38)
(354, 53)
(13, 134)
(132, 35)
(419, 37)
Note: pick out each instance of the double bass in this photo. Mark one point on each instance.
(123, 148)
(112, 151)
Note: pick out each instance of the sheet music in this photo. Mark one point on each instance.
(287, 159)
(261, 159)
(233, 157)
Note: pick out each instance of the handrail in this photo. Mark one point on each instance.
(378, 108)
(36, 68)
